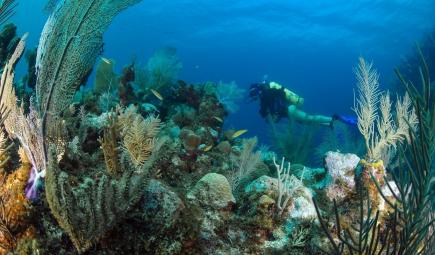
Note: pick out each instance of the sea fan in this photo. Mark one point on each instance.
(228, 94)
(70, 43)
(7, 10)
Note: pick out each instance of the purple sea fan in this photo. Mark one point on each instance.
(34, 184)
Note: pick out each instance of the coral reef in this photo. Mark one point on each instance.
(142, 164)
(15, 208)
(342, 169)
(395, 215)
(212, 190)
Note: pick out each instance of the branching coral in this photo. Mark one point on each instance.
(380, 133)
(283, 189)
(287, 186)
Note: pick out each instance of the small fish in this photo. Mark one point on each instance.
(105, 60)
(157, 94)
(208, 148)
(218, 119)
(239, 133)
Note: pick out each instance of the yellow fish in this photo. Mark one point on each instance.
(208, 148)
(157, 94)
(218, 119)
(107, 61)
(239, 133)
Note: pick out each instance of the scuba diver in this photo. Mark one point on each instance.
(279, 102)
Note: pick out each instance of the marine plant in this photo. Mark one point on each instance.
(128, 134)
(413, 213)
(86, 212)
(23, 127)
(74, 47)
(69, 45)
(228, 94)
(408, 228)
(363, 237)
(244, 164)
(105, 77)
(7, 9)
(161, 70)
(381, 134)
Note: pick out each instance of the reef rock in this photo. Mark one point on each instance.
(212, 190)
(264, 185)
(302, 210)
(212, 193)
(162, 206)
(341, 167)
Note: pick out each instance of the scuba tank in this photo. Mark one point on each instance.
(292, 97)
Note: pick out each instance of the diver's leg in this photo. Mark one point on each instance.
(302, 116)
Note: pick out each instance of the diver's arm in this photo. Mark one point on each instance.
(295, 113)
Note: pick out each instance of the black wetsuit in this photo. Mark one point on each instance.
(273, 102)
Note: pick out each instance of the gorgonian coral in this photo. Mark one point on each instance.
(381, 133)
(228, 94)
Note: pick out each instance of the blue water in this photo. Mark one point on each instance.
(309, 46)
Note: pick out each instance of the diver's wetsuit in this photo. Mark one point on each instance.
(279, 102)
